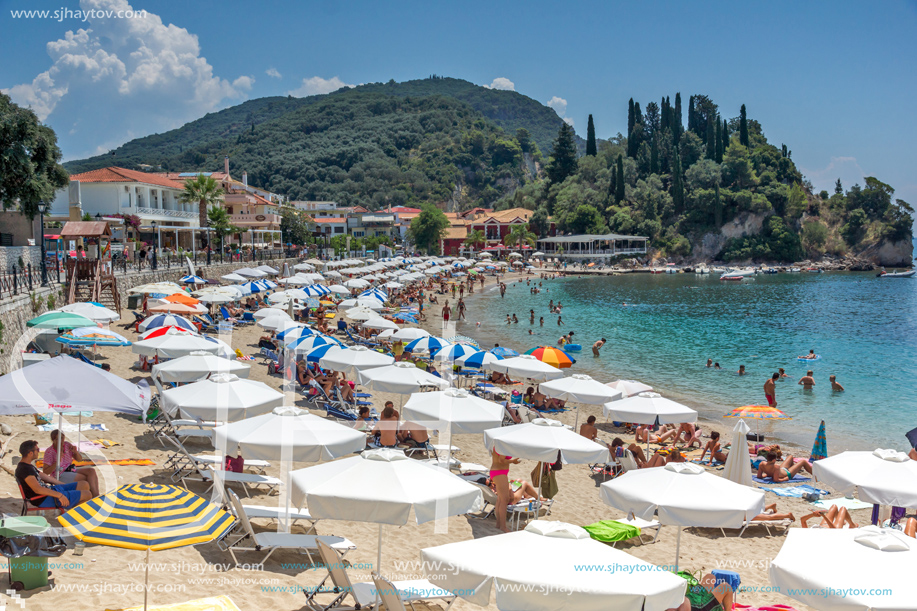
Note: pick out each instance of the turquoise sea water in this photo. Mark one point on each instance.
(865, 330)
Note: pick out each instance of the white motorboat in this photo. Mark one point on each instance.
(702, 270)
(738, 274)
(907, 274)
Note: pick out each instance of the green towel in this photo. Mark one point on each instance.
(609, 531)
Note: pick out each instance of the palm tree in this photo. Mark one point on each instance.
(205, 191)
(520, 235)
(474, 238)
(218, 220)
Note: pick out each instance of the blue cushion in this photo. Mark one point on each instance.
(730, 577)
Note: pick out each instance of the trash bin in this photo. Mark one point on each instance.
(134, 301)
(27, 551)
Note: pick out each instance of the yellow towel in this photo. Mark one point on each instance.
(107, 443)
(213, 603)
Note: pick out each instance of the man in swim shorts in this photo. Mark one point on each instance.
(770, 390)
(807, 381)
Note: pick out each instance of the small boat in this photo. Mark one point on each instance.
(671, 269)
(769, 270)
(657, 270)
(718, 270)
(793, 270)
(702, 270)
(907, 274)
(738, 275)
(815, 270)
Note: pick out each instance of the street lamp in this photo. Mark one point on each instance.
(42, 208)
(155, 250)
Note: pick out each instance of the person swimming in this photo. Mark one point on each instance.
(810, 356)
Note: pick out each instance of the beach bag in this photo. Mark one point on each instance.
(235, 465)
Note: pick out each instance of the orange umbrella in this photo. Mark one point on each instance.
(179, 308)
(552, 356)
(181, 298)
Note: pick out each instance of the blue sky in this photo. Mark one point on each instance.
(833, 80)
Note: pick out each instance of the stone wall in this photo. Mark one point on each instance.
(10, 255)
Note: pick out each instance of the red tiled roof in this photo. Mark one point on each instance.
(405, 210)
(116, 174)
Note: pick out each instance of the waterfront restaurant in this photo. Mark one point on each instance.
(582, 247)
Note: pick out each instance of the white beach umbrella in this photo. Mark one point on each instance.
(532, 583)
(174, 345)
(304, 267)
(91, 311)
(868, 569)
(332, 274)
(164, 288)
(649, 408)
(267, 269)
(306, 437)
(541, 440)
(410, 334)
(270, 312)
(355, 359)
(281, 322)
(380, 323)
(315, 262)
(579, 388)
(356, 283)
(232, 277)
(223, 396)
(196, 366)
(360, 313)
(526, 366)
(737, 465)
(338, 289)
(373, 304)
(248, 272)
(883, 477)
(401, 378)
(683, 494)
(630, 388)
(383, 487)
(457, 409)
(394, 285)
(294, 281)
(214, 297)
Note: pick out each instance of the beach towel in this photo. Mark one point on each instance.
(850, 504)
(71, 428)
(609, 531)
(796, 491)
(820, 448)
(86, 414)
(120, 462)
(245, 358)
(107, 443)
(768, 480)
(764, 608)
(213, 603)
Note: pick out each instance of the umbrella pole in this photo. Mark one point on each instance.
(146, 581)
(677, 548)
(378, 564)
(576, 422)
(60, 432)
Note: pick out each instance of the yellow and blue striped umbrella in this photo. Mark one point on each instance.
(147, 517)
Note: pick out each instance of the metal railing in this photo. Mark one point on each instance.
(128, 265)
(182, 214)
(18, 281)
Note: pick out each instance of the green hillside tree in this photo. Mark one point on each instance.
(711, 141)
(619, 181)
(205, 192)
(563, 160)
(630, 118)
(590, 138)
(539, 221)
(678, 185)
(677, 126)
(724, 135)
(719, 142)
(475, 239)
(219, 222)
(796, 201)
(428, 228)
(717, 207)
(30, 170)
(743, 127)
(295, 225)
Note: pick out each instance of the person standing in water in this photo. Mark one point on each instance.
(807, 381)
(770, 390)
(834, 385)
(596, 346)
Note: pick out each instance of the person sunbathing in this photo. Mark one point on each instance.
(664, 456)
(588, 429)
(413, 434)
(523, 490)
(690, 432)
(303, 374)
(645, 431)
(513, 412)
(713, 446)
(539, 400)
(617, 450)
(832, 518)
(784, 471)
(770, 515)
(529, 396)
(387, 428)
(499, 378)
(345, 389)
(68, 472)
(708, 596)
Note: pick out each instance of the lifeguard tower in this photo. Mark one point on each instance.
(90, 276)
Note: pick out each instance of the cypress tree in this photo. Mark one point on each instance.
(678, 185)
(719, 141)
(654, 157)
(710, 140)
(692, 120)
(838, 187)
(619, 183)
(743, 127)
(664, 119)
(590, 138)
(678, 124)
(638, 116)
(725, 136)
(613, 184)
(630, 118)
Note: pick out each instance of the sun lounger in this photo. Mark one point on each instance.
(516, 511)
(181, 461)
(393, 595)
(270, 542)
(193, 470)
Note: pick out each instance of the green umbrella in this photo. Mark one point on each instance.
(60, 320)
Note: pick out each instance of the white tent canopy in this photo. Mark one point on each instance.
(223, 397)
(649, 408)
(526, 366)
(464, 412)
(401, 378)
(884, 477)
(196, 366)
(541, 440)
(541, 574)
(856, 569)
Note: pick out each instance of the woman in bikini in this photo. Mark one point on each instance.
(832, 518)
(499, 475)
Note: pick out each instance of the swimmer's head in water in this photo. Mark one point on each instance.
(775, 376)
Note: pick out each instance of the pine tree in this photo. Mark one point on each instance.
(719, 142)
(743, 127)
(613, 184)
(710, 140)
(725, 137)
(678, 185)
(654, 157)
(630, 118)
(590, 138)
(692, 120)
(563, 162)
(619, 183)
(838, 188)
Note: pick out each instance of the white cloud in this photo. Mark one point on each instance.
(318, 85)
(569, 122)
(273, 73)
(845, 168)
(558, 104)
(502, 83)
(124, 76)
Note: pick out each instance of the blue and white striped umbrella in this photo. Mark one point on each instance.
(316, 354)
(316, 290)
(453, 352)
(252, 287)
(288, 336)
(193, 280)
(307, 342)
(377, 293)
(165, 320)
(267, 284)
(478, 359)
(427, 344)
(92, 336)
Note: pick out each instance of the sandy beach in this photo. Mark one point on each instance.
(109, 578)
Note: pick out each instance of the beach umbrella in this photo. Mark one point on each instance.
(463, 339)
(332, 274)
(304, 267)
(315, 355)
(401, 378)
(291, 334)
(552, 356)
(149, 517)
(579, 388)
(233, 278)
(193, 280)
(736, 469)
(504, 352)
(458, 410)
(541, 440)
(683, 494)
(196, 366)
(267, 269)
(356, 283)
(882, 559)
(394, 285)
(174, 345)
(251, 273)
(453, 352)
(371, 304)
(92, 336)
(427, 343)
(630, 388)
(222, 397)
(92, 311)
(526, 366)
(354, 360)
(217, 298)
(882, 477)
(162, 288)
(178, 308)
(338, 289)
(404, 317)
(820, 447)
(306, 437)
(380, 323)
(317, 290)
(271, 311)
(383, 487)
(253, 287)
(478, 566)
(757, 413)
(649, 408)
(294, 281)
(60, 320)
(280, 322)
(360, 314)
(167, 330)
(408, 335)
(305, 343)
(165, 320)
(477, 360)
